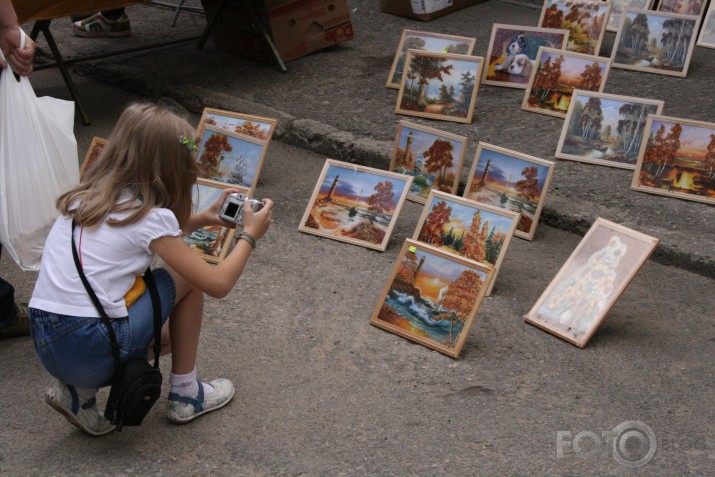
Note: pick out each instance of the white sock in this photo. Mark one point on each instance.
(85, 394)
(186, 385)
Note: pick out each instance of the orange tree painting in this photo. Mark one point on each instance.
(680, 158)
(584, 20)
(466, 230)
(209, 161)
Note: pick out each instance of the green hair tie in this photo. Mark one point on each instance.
(188, 143)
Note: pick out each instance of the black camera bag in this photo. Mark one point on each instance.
(136, 384)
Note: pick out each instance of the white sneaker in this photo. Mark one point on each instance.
(84, 415)
(181, 409)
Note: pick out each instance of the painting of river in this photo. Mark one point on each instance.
(432, 297)
(605, 129)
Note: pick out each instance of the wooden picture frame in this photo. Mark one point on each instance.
(213, 242)
(651, 58)
(512, 51)
(454, 89)
(93, 151)
(469, 229)
(619, 6)
(355, 204)
(557, 74)
(684, 7)
(229, 159)
(578, 16)
(706, 38)
(427, 41)
(510, 180)
(420, 151)
(257, 127)
(578, 299)
(444, 292)
(677, 160)
(614, 138)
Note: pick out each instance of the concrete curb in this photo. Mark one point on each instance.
(676, 248)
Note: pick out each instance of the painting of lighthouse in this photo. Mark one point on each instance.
(432, 157)
(432, 297)
(355, 204)
(510, 180)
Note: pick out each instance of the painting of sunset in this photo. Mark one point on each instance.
(558, 73)
(432, 297)
(677, 158)
(230, 159)
(510, 180)
(432, 157)
(355, 204)
(467, 228)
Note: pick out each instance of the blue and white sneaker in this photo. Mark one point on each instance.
(181, 409)
(79, 412)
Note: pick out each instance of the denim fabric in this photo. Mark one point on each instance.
(77, 350)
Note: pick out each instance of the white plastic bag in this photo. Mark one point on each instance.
(38, 161)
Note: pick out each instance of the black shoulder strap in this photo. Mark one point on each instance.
(156, 305)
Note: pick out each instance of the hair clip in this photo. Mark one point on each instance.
(188, 143)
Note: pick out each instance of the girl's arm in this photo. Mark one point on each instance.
(208, 216)
(215, 281)
(19, 55)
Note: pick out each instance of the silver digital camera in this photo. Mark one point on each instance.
(232, 208)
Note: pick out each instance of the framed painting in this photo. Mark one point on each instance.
(212, 242)
(577, 300)
(230, 159)
(432, 157)
(686, 7)
(422, 40)
(512, 52)
(355, 204)
(677, 159)
(466, 228)
(619, 6)
(432, 297)
(558, 73)
(95, 147)
(254, 126)
(585, 19)
(707, 32)
(439, 86)
(510, 180)
(655, 42)
(605, 129)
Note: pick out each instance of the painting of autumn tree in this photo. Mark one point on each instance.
(229, 158)
(253, 126)
(557, 75)
(210, 158)
(585, 20)
(431, 298)
(678, 159)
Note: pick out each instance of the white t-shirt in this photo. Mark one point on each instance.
(112, 257)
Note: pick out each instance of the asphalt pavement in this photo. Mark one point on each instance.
(320, 391)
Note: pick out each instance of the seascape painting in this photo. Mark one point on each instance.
(558, 74)
(229, 159)
(247, 125)
(422, 40)
(432, 157)
(655, 42)
(585, 19)
(355, 204)
(439, 86)
(211, 242)
(432, 298)
(588, 284)
(605, 129)
(677, 158)
(512, 53)
(466, 228)
(510, 180)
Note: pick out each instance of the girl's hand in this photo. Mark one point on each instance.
(257, 223)
(20, 57)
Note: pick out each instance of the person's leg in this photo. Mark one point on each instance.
(113, 15)
(108, 23)
(13, 318)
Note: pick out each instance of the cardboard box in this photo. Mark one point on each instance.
(424, 10)
(296, 27)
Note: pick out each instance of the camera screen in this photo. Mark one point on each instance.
(231, 209)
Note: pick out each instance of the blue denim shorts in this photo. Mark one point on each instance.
(77, 350)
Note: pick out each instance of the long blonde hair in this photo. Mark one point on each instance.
(144, 157)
